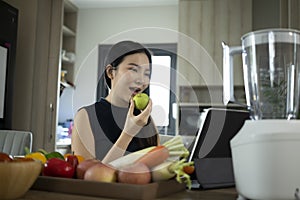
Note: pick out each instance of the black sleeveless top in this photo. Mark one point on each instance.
(107, 122)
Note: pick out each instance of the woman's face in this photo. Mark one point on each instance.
(131, 76)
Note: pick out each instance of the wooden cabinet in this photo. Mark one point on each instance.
(205, 24)
(67, 61)
(68, 53)
(39, 64)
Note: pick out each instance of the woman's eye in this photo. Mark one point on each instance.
(148, 75)
(133, 69)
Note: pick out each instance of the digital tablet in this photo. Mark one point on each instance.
(211, 150)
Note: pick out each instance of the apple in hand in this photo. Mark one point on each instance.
(141, 100)
(83, 166)
(102, 173)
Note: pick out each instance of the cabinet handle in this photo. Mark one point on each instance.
(51, 115)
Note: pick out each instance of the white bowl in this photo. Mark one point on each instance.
(266, 159)
(17, 177)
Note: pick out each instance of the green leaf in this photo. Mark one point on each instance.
(54, 154)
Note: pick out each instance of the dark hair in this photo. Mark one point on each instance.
(119, 51)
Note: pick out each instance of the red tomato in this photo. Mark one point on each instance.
(189, 169)
(58, 168)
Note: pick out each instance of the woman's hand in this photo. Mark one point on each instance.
(134, 124)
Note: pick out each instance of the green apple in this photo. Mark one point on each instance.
(141, 100)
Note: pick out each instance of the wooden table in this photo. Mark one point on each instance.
(222, 194)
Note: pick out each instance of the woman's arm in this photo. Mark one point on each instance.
(118, 149)
(132, 126)
(82, 137)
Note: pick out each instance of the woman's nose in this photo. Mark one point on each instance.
(140, 79)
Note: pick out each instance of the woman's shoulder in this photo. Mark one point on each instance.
(102, 103)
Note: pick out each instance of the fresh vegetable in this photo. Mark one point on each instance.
(130, 158)
(171, 169)
(101, 172)
(189, 169)
(54, 154)
(137, 173)
(58, 168)
(48, 155)
(73, 160)
(154, 157)
(37, 156)
(163, 171)
(79, 157)
(175, 147)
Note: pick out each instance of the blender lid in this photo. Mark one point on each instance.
(270, 35)
(267, 131)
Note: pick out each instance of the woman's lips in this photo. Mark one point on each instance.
(135, 91)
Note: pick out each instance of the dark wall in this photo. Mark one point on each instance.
(266, 14)
(8, 38)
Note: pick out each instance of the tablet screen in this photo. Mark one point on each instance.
(3, 69)
(214, 135)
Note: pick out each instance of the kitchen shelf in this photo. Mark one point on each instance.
(69, 39)
(69, 7)
(68, 32)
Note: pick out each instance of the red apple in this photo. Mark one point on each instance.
(102, 173)
(137, 173)
(83, 166)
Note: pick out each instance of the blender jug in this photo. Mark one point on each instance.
(265, 151)
(271, 73)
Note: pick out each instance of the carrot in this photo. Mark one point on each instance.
(154, 157)
(175, 147)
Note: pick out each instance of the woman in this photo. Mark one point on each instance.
(112, 127)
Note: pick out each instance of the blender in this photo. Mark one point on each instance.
(266, 150)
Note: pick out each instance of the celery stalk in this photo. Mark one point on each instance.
(169, 170)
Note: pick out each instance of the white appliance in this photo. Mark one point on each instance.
(266, 151)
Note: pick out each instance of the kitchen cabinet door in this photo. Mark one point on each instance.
(204, 25)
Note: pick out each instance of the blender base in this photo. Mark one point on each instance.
(266, 160)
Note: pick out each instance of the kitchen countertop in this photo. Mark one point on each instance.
(222, 194)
